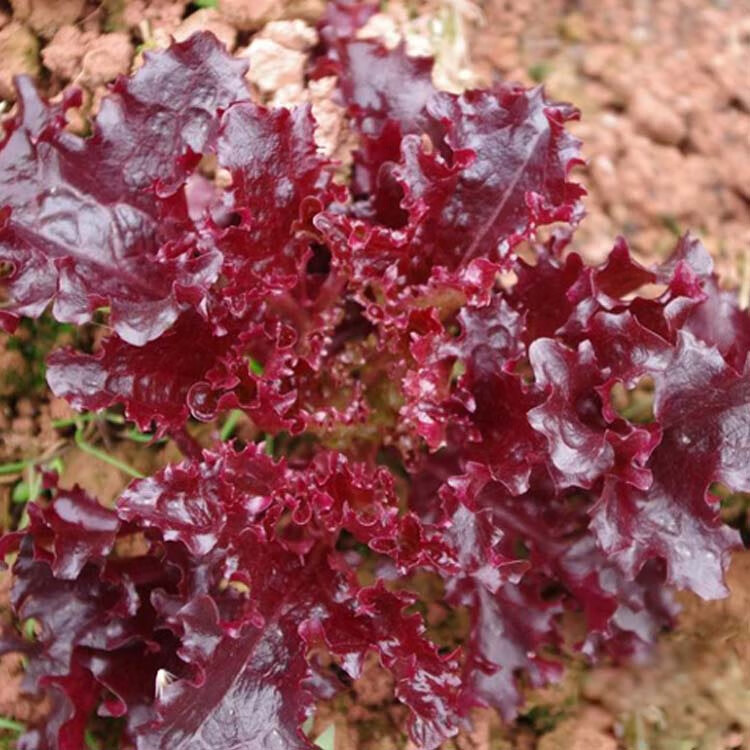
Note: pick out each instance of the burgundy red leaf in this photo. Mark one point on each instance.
(532, 443)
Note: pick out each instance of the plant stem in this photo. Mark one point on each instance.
(230, 424)
(15, 466)
(11, 724)
(102, 456)
(88, 417)
(141, 437)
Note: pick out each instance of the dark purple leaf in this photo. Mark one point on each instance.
(152, 381)
(702, 405)
(428, 415)
(84, 228)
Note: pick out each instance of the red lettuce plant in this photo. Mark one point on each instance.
(447, 405)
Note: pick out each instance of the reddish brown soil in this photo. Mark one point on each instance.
(665, 95)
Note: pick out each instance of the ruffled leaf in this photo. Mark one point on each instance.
(82, 224)
(703, 406)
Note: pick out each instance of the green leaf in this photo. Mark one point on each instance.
(255, 367)
(15, 466)
(21, 493)
(29, 629)
(327, 739)
(34, 483)
(229, 426)
(11, 724)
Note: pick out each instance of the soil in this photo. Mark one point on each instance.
(665, 99)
